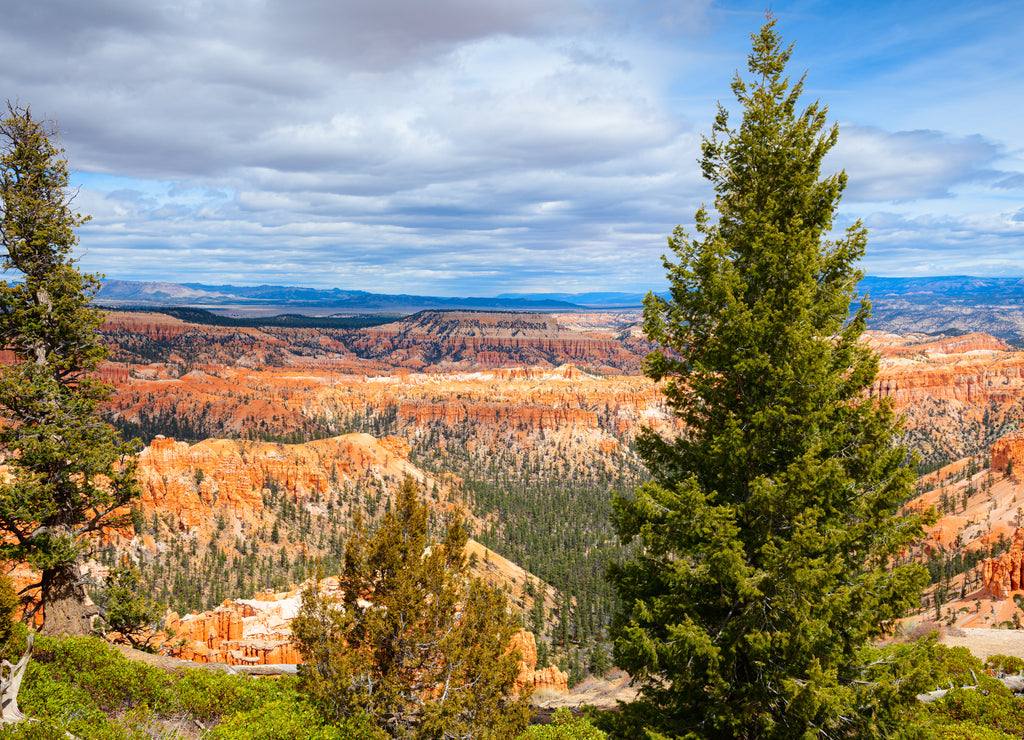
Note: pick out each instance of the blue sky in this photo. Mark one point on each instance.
(475, 147)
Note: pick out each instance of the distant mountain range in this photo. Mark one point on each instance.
(301, 300)
(952, 304)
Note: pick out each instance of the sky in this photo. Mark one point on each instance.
(480, 147)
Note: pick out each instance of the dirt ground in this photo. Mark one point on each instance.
(985, 642)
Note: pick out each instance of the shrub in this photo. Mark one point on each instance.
(291, 719)
(564, 727)
(969, 731)
(1005, 663)
(993, 711)
(86, 687)
(207, 695)
(8, 605)
(104, 678)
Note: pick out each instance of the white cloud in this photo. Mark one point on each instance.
(910, 165)
(472, 146)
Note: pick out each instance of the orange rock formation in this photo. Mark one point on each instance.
(1009, 449)
(955, 393)
(258, 632)
(548, 679)
(229, 477)
(238, 633)
(431, 339)
(1005, 574)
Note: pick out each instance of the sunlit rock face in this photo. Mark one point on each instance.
(956, 395)
(230, 477)
(1008, 453)
(1005, 574)
(258, 632)
(436, 340)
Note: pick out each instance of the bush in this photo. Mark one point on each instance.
(97, 673)
(564, 727)
(207, 695)
(8, 605)
(969, 731)
(1009, 664)
(291, 719)
(32, 731)
(966, 708)
(86, 687)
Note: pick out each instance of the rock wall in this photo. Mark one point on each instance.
(890, 345)
(237, 633)
(493, 415)
(548, 679)
(430, 339)
(970, 381)
(1005, 574)
(956, 395)
(196, 483)
(1006, 450)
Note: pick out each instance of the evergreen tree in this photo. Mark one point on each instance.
(414, 642)
(765, 543)
(129, 612)
(68, 472)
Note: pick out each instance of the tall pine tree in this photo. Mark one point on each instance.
(68, 472)
(765, 543)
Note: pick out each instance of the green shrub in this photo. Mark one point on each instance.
(86, 687)
(291, 719)
(1005, 663)
(110, 681)
(32, 731)
(564, 727)
(8, 605)
(969, 731)
(207, 695)
(992, 711)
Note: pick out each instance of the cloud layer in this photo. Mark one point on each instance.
(477, 147)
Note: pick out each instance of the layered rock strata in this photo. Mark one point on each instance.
(228, 477)
(957, 394)
(1007, 454)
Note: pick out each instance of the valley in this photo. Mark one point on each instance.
(264, 442)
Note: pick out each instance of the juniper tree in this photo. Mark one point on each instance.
(765, 544)
(68, 472)
(414, 643)
(129, 612)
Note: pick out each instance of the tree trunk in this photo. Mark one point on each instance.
(10, 684)
(66, 608)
